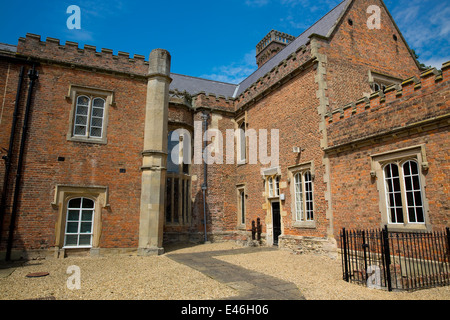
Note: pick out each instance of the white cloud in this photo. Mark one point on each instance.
(256, 3)
(235, 72)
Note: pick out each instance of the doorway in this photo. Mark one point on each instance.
(276, 221)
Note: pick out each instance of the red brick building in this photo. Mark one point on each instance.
(360, 130)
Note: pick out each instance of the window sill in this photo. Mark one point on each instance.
(407, 227)
(241, 227)
(87, 140)
(305, 224)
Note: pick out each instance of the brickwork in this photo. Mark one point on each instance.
(311, 97)
(354, 50)
(415, 113)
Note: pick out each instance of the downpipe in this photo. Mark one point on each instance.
(205, 172)
(33, 76)
(8, 156)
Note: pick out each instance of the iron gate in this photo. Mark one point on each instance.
(396, 260)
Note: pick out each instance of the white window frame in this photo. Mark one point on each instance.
(400, 156)
(303, 208)
(78, 234)
(89, 117)
(402, 194)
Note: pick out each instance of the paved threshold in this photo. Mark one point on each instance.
(251, 285)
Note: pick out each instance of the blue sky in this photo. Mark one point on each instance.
(209, 39)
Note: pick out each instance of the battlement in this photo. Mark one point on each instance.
(395, 93)
(53, 51)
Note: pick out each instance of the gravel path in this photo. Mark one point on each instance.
(160, 278)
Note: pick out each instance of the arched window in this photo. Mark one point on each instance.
(89, 117)
(79, 223)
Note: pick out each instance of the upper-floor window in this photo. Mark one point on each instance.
(89, 117)
(89, 114)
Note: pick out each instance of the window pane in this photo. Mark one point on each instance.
(86, 227)
(71, 240)
(99, 103)
(86, 215)
(81, 120)
(75, 203)
(97, 122)
(73, 215)
(96, 132)
(298, 197)
(242, 195)
(83, 100)
(80, 131)
(96, 112)
(82, 110)
(419, 213)
(88, 203)
(72, 227)
(85, 240)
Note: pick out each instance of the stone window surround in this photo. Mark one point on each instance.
(63, 194)
(378, 161)
(77, 90)
(292, 171)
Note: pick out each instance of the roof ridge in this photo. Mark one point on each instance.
(221, 82)
(292, 42)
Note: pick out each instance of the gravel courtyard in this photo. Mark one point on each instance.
(160, 278)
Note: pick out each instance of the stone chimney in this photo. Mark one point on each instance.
(270, 45)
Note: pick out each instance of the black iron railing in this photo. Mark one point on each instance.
(396, 261)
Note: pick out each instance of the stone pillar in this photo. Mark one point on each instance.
(155, 155)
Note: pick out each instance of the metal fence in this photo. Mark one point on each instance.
(396, 261)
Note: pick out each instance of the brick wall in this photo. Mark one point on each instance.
(355, 49)
(414, 114)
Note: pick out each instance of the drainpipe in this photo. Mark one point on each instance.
(205, 172)
(33, 76)
(8, 157)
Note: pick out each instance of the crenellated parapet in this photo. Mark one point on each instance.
(377, 100)
(416, 102)
(71, 54)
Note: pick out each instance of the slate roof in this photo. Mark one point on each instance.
(194, 85)
(8, 47)
(321, 27)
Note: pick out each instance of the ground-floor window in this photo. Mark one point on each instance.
(79, 223)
